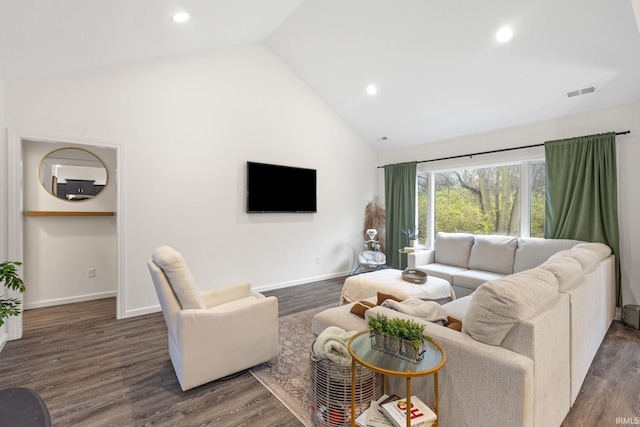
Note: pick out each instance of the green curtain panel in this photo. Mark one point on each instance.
(400, 206)
(582, 195)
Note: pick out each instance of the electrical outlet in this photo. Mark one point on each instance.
(317, 260)
(91, 273)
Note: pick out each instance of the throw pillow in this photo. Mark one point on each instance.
(453, 323)
(382, 297)
(498, 305)
(361, 307)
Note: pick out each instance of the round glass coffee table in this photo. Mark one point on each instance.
(361, 352)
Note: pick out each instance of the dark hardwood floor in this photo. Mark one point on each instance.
(94, 370)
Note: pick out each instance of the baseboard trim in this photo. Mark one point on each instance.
(300, 281)
(69, 300)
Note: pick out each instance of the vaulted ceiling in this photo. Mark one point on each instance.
(438, 69)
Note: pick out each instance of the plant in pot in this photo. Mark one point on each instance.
(400, 337)
(10, 279)
(412, 234)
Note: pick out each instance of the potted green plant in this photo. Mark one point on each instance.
(412, 234)
(9, 278)
(400, 337)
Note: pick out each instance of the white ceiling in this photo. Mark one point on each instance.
(439, 71)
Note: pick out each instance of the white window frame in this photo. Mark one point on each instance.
(524, 158)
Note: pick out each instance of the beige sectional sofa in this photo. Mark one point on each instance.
(528, 337)
(467, 261)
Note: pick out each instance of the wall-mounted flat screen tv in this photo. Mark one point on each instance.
(279, 189)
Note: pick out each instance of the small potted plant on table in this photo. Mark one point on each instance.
(400, 337)
(412, 234)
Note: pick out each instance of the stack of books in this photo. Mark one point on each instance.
(391, 411)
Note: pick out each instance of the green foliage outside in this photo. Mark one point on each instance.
(482, 201)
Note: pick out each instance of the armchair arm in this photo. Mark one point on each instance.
(228, 293)
(418, 258)
(236, 335)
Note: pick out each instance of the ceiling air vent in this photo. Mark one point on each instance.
(583, 91)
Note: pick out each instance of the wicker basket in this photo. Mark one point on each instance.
(331, 391)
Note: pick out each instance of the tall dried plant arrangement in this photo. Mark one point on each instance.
(374, 217)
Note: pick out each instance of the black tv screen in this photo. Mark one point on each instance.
(276, 188)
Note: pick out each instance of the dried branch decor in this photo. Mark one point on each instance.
(374, 217)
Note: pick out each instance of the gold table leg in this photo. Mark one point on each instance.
(435, 398)
(408, 401)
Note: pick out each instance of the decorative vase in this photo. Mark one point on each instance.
(397, 347)
(412, 243)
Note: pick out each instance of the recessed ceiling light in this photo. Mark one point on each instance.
(372, 90)
(180, 17)
(504, 34)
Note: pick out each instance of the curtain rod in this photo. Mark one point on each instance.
(493, 151)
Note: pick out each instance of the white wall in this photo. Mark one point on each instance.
(187, 125)
(3, 196)
(612, 119)
(58, 250)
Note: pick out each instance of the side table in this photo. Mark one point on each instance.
(361, 352)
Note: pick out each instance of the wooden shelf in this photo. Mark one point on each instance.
(67, 213)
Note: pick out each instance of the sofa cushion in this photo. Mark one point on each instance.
(458, 307)
(533, 251)
(566, 269)
(339, 316)
(441, 271)
(585, 257)
(493, 253)
(599, 249)
(453, 249)
(179, 275)
(471, 279)
(498, 305)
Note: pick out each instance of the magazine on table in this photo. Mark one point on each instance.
(421, 414)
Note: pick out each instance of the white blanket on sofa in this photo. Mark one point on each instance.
(389, 281)
(430, 311)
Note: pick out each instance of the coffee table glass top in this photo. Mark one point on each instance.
(360, 348)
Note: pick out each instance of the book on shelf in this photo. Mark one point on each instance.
(408, 249)
(373, 417)
(421, 414)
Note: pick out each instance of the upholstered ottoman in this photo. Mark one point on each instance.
(389, 281)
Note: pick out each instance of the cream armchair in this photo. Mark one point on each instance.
(214, 333)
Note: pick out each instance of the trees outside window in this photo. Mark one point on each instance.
(538, 193)
(485, 200)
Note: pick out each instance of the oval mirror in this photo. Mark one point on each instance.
(72, 174)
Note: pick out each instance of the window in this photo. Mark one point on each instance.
(538, 194)
(483, 200)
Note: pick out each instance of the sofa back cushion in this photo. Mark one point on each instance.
(175, 268)
(566, 269)
(493, 253)
(533, 251)
(588, 254)
(453, 249)
(497, 306)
